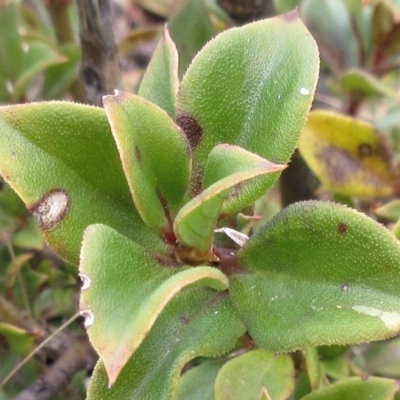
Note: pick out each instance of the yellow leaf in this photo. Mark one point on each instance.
(349, 156)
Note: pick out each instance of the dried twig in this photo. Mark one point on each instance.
(79, 356)
(99, 70)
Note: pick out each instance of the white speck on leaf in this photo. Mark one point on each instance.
(304, 91)
(390, 318)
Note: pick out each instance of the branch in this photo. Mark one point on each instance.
(79, 356)
(99, 70)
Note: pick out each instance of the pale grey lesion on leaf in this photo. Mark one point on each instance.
(51, 209)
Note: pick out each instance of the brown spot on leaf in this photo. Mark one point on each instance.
(51, 209)
(184, 319)
(342, 227)
(365, 150)
(190, 128)
(138, 155)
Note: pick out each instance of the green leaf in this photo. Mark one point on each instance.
(334, 32)
(227, 167)
(355, 389)
(160, 82)
(11, 52)
(197, 322)
(390, 211)
(62, 161)
(198, 382)
(381, 359)
(155, 156)
(362, 84)
(349, 156)
(386, 30)
(314, 368)
(249, 375)
(163, 8)
(60, 77)
(327, 272)
(29, 237)
(190, 29)
(123, 280)
(256, 83)
(20, 341)
(37, 57)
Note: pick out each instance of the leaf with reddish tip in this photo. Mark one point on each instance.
(62, 161)
(349, 156)
(259, 371)
(250, 86)
(227, 167)
(155, 156)
(126, 282)
(327, 270)
(196, 323)
(160, 82)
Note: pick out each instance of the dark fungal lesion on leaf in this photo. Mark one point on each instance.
(342, 227)
(184, 319)
(365, 150)
(138, 155)
(191, 128)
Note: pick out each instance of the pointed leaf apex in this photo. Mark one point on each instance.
(290, 16)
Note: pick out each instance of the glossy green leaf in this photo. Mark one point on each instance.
(160, 82)
(155, 157)
(197, 322)
(123, 280)
(198, 383)
(349, 156)
(62, 161)
(318, 273)
(227, 167)
(256, 83)
(190, 29)
(355, 389)
(249, 375)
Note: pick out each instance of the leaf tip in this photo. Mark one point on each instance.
(290, 16)
(118, 95)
